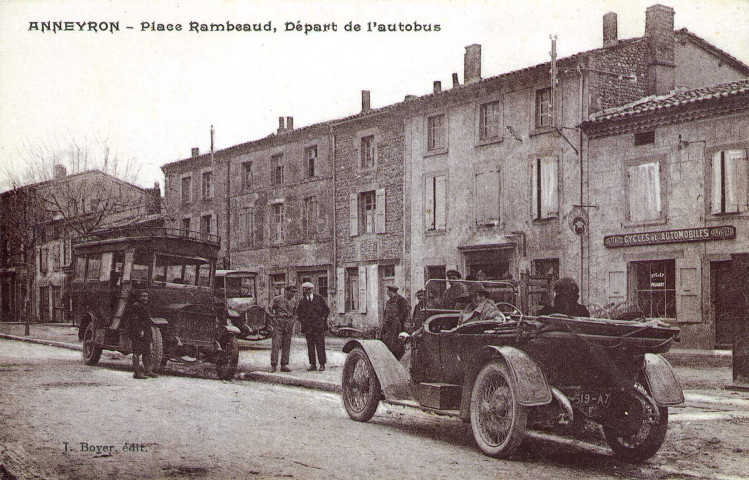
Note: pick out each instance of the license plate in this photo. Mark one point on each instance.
(588, 398)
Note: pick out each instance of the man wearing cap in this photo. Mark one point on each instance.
(566, 293)
(455, 291)
(419, 313)
(481, 308)
(283, 311)
(396, 315)
(313, 312)
(138, 325)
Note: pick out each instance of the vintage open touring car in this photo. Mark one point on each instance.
(177, 268)
(519, 370)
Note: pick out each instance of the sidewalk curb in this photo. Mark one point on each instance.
(290, 380)
(50, 343)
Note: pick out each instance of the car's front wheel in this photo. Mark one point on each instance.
(361, 388)
(157, 350)
(91, 353)
(637, 426)
(227, 360)
(498, 421)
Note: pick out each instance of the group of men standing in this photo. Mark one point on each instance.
(312, 312)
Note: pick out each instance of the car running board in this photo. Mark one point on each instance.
(415, 404)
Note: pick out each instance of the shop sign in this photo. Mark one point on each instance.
(725, 232)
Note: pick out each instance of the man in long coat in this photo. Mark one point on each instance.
(397, 311)
(312, 312)
(138, 322)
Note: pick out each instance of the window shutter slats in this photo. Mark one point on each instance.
(353, 215)
(380, 211)
(440, 200)
(429, 220)
(736, 194)
(362, 289)
(549, 187)
(717, 193)
(534, 188)
(340, 288)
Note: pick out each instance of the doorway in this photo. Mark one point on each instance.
(729, 311)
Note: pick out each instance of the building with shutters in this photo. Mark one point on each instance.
(495, 165)
(670, 231)
(371, 249)
(273, 220)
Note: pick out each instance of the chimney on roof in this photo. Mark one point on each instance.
(409, 97)
(289, 123)
(659, 33)
(456, 82)
(195, 152)
(610, 32)
(472, 64)
(365, 106)
(437, 87)
(281, 127)
(59, 171)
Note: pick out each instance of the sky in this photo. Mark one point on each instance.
(150, 96)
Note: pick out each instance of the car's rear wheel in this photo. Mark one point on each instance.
(637, 427)
(91, 353)
(498, 421)
(157, 350)
(361, 388)
(227, 360)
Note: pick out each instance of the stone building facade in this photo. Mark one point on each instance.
(369, 204)
(495, 174)
(670, 228)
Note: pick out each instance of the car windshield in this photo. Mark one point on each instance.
(239, 286)
(455, 295)
(181, 270)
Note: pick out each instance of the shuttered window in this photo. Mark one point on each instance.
(544, 194)
(434, 203)
(644, 192)
(487, 198)
(729, 183)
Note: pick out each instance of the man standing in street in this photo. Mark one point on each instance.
(138, 322)
(419, 314)
(396, 315)
(283, 316)
(313, 315)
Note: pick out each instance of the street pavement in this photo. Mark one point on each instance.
(703, 375)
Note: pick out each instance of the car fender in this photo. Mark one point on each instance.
(159, 321)
(232, 329)
(531, 386)
(393, 377)
(662, 383)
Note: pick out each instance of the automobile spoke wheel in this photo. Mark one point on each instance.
(158, 360)
(226, 361)
(636, 427)
(361, 388)
(498, 421)
(91, 353)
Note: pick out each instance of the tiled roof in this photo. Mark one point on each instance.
(671, 100)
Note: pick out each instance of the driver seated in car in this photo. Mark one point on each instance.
(481, 308)
(566, 293)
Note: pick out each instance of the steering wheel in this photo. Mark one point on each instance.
(508, 309)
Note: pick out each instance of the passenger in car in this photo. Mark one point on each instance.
(480, 308)
(566, 293)
(454, 292)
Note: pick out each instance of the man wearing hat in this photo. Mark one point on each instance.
(419, 313)
(566, 293)
(313, 312)
(283, 316)
(455, 291)
(396, 315)
(481, 308)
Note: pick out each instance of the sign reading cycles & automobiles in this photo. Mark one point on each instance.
(724, 232)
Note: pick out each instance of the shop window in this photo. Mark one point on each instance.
(655, 288)
(277, 283)
(729, 183)
(644, 192)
